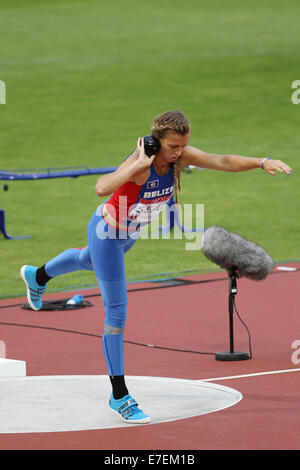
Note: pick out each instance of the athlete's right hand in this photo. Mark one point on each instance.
(143, 160)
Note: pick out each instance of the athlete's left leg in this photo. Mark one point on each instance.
(107, 256)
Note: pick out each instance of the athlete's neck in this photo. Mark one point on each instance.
(161, 166)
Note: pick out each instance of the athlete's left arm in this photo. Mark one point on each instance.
(231, 163)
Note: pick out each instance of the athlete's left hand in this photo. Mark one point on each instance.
(271, 166)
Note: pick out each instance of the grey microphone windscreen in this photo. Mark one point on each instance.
(231, 250)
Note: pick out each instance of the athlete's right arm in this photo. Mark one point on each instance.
(135, 164)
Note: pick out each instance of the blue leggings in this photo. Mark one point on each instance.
(104, 254)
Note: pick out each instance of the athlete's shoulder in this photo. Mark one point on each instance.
(192, 156)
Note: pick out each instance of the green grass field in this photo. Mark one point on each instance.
(85, 78)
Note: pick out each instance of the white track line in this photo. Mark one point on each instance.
(250, 375)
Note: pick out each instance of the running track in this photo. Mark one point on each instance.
(190, 317)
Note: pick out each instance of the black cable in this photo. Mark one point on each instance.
(183, 282)
(99, 336)
(168, 349)
(247, 329)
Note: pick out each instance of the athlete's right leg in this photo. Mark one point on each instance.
(36, 279)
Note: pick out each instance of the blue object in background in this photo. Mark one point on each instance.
(76, 300)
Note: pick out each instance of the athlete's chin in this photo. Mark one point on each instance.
(170, 159)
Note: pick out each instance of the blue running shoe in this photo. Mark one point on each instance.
(34, 290)
(127, 408)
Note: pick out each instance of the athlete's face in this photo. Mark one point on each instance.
(173, 145)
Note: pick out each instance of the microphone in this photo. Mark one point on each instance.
(229, 250)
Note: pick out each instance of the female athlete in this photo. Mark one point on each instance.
(138, 189)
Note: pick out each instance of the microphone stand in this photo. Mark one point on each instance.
(232, 355)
